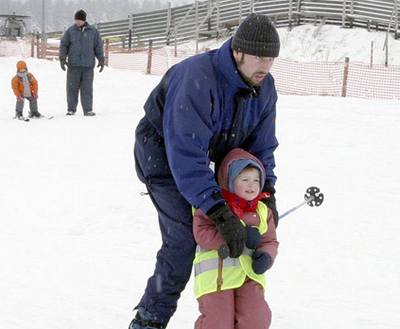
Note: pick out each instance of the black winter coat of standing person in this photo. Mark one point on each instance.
(80, 45)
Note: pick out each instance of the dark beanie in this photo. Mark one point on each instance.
(80, 15)
(257, 36)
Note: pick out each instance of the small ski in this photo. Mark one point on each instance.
(22, 118)
(43, 117)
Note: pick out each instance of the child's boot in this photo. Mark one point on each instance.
(18, 115)
(34, 114)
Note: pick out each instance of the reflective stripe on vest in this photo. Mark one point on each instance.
(212, 263)
(234, 270)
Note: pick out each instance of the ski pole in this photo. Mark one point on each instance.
(312, 197)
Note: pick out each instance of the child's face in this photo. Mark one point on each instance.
(247, 184)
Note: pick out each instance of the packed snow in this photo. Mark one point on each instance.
(328, 43)
(78, 241)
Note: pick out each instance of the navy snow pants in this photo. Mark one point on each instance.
(80, 79)
(175, 258)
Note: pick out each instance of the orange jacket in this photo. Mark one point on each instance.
(18, 86)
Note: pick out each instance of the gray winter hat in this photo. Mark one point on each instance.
(257, 36)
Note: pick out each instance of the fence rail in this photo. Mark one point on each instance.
(214, 18)
(127, 41)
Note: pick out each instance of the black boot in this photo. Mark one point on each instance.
(89, 114)
(35, 114)
(144, 320)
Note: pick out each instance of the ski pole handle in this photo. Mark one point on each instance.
(223, 251)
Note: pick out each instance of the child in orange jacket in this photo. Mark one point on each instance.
(24, 86)
(226, 302)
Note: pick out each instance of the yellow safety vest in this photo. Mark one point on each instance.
(214, 274)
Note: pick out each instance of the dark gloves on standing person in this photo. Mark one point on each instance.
(63, 63)
(271, 202)
(230, 227)
(253, 237)
(261, 262)
(101, 65)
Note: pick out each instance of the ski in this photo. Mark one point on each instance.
(43, 117)
(21, 118)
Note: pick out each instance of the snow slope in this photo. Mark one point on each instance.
(328, 43)
(78, 241)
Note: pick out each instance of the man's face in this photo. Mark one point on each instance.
(253, 68)
(79, 23)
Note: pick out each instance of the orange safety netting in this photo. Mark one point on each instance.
(291, 77)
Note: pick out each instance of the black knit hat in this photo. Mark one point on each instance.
(257, 36)
(80, 15)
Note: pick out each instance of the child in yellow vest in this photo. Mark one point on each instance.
(24, 86)
(230, 291)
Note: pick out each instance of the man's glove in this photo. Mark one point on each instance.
(230, 227)
(261, 262)
(253, 239)
(63, 63)
(271, 202)
(101, 65)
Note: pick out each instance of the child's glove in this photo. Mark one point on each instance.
(271, 202)
(253, 239)
(230, 227)
(20, 98)
(35, 96)
(261, 262)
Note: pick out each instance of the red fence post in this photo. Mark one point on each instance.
(149, 57)
(371, 62)
(345, 76)
(33, 46)
(107, 52)
(37, 45)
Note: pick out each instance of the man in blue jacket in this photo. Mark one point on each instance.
(79, 47)
(202, 108)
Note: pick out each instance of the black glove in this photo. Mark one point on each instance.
(230, 227)
(101, 65)
(63, 63)
(261, 262)
(253, 239)
(271, 202)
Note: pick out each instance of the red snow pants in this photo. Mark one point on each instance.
(241, 308)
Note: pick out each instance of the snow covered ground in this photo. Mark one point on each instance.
(328, 43)
(78, 241)
(21, 47)
(306, 43)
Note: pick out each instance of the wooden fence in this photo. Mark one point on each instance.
(218, 18)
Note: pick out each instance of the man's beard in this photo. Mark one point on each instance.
(249, 80)
(253, 83)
